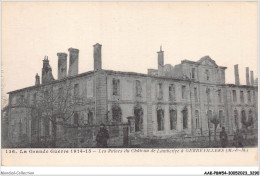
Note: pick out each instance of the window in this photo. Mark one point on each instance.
(90, 117)
(207, 74)
(208, 95)
(249, 96)
(60, 93)
(46, 127)
(221, 118)
(209, 114)
(185, 118)
(76, 118)
(138, 111)
(195, 94)
(219, 96)
(250, 116)
(159, 91)
(234, 92)
(241, 96)
(183, 93)
(160, 120)
(193, 73)
(236, 119)
(116, 113)
(138, 88)
(197, 123)
(173, 119)
(116, 87)
(76, 90)
(243, 116)
(171, 92)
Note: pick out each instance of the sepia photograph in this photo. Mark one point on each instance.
(137, 75)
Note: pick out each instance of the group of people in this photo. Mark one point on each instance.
(238, 140)
(103, 136)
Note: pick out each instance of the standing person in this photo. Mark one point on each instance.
(223, 138)
(102, 137)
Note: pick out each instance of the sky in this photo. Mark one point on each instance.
(130, 33)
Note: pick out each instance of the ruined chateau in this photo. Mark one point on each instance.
(169, 101)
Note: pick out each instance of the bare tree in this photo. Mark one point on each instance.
(53, 104)
(57, 105)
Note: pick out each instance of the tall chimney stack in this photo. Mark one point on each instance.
(97, 57)
(74, 61)
(252, 78)
(62, 65)
(160, 62)
(247, 76)
(37, 80)
(237, 81)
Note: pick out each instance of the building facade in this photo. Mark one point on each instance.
(170, 101)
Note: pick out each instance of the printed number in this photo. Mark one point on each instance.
(10, 151)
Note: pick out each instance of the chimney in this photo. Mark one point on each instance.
(97, 57)
(247, 76)
(160, 62)
(74, 61)
(37, 80)
(62, 65)
(237, 82)
(252, 78)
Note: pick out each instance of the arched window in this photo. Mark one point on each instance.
(116, 113)
(185, 118)
(173, 119)
(160, 119)
(138, 111)
(197, 119)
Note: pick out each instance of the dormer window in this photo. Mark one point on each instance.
(207, 75)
